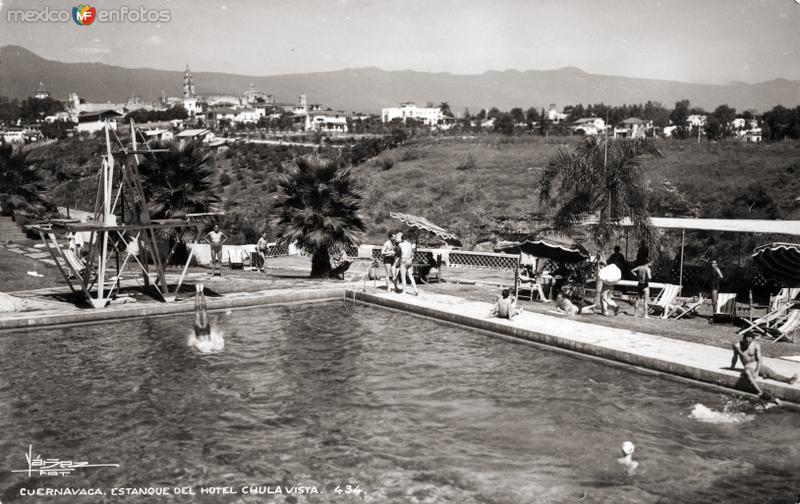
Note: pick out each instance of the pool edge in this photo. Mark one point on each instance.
(719, 380)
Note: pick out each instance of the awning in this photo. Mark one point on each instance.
(548, 248)
(424, 224)
(787, 227)
(779, 262)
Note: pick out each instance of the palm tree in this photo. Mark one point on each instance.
(317, 207)
(178, 181)
(603, 179)
(21, 186)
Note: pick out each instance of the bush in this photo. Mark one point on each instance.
(224, 179)
(468, 163)
(411, 155)
(386, 162)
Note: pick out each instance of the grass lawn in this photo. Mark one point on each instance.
(14, 268)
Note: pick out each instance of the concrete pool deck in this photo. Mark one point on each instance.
(694, 361)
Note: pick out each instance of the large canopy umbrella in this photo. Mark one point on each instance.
(779, 261)
(424, 224)
(548, 248)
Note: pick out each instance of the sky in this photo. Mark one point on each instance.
(703, 41)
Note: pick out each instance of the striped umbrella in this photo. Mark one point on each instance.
(424, 224)
(779, 261)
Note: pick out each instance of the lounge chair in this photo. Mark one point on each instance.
(779, 306)
(339, 271)
(76, 264)
(661, 304)
(788, 328)
(680, 311)
(235, 258)
(726, 307)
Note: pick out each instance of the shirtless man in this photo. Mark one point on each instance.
(749, 352)
(262, 247)
(505, 306)
(216, 238)
(387, 254)
(407, 264)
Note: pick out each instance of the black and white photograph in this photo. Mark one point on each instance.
(400, 251)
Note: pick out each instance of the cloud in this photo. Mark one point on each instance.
(154, 40)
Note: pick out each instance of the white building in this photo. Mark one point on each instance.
(633, 127)
(553, 115)
(696, 120)
(96, 121)
(326, 120)
(589, 125)
(430, 116)
(196, 134)
(248, 115)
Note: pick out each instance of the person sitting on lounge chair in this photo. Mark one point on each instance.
(527, 275)
(505, 306)
(341, 265)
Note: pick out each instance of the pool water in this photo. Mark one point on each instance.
(409, 409)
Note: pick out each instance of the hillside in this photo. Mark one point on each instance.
(369, 89)
(485, 187)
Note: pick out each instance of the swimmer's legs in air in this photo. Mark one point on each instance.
(201, 324)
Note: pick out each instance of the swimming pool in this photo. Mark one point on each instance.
(409, 409)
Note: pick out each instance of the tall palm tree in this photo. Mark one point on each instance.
(21, 187)
(318, 208)
(600, 178)
(178, 181)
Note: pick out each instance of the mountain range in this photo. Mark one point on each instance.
(369, 89)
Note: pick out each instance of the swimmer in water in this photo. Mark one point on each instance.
(627, 459)
(202, 328)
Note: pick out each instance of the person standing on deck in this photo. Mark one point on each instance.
(643, 276)
(388, 257)
(407, 264)
(261, 248)
(216, 238)
(714, 281)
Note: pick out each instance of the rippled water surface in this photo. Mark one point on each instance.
(409, 409)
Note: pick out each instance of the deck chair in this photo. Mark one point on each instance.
(235, 258)
(339, 271)
(726, 306)
(779, 306)
(661, 304)
(76, 264)
(788, 328)
(680, 311)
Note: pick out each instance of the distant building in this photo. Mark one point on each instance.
(248, 115)
(696, 120)
(326, 120)
(553, 115)
(41, 92)
(158, 134)
(589, 125)
(633, 127)
(95, 121)
(196, 134)
(430, 116)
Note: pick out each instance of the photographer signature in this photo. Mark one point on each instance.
(52, 466)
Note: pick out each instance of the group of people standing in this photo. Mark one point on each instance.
(397, 254)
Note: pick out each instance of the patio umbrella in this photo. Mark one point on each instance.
(424, 224)
(548, 248)
(779, 261)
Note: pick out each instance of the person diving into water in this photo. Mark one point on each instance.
(202, 328)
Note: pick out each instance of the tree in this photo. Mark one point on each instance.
(318, 209)
(493, 112)
(518, 115)
(679, 116)
(591, 181)
(531, 117)
(724, 116)
(21, 186)
(445, 108)
(178, 181)
(504, 123)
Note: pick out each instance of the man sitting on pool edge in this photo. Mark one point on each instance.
(749, 351)
(505, 306)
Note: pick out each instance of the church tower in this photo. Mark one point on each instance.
(188, 84)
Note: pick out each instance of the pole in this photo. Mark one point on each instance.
(683, 242)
